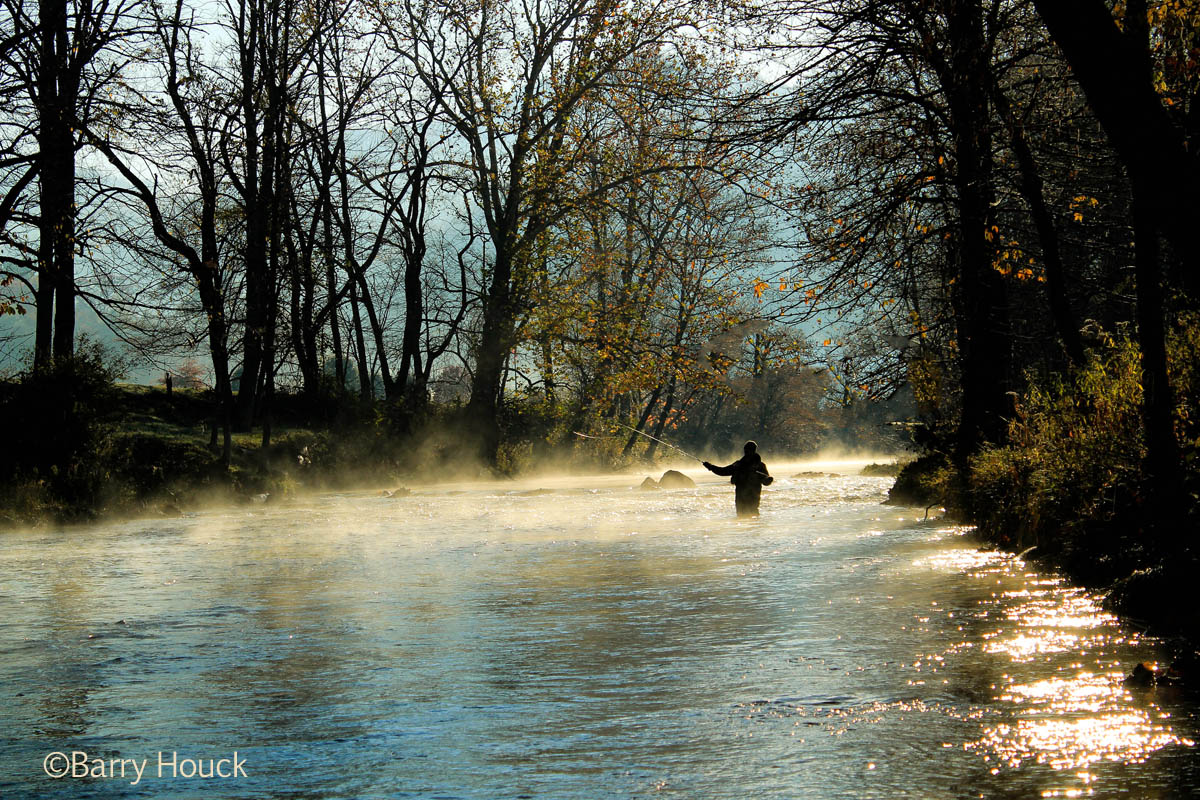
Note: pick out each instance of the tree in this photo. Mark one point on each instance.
(66, 58)
(1147, 99)
(326, 218)
(922, 226)
(191, 375)
(190, 229)
(515, 121)
(272, 41)
(631, 282)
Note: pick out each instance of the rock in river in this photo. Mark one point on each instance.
(673, 479)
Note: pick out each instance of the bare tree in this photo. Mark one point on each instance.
(188, 223)
(66, 58)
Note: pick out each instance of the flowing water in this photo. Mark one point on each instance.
(584, 641)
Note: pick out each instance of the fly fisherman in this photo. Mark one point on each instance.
(748, 475)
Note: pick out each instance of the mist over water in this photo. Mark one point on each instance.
(574, 638)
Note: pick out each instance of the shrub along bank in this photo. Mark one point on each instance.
(79, 447)
(1071, 483)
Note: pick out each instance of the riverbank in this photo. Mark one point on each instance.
(136, 451)
(143, 452)
(1072, 487)
(87, 448)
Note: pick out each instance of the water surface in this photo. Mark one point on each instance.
(584, 641)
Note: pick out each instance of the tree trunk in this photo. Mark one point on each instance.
(410, 380)
(55, 183)
(44, 301)
(264, 49)
(359, 284)
(304, 333)
(1031, 189)
(668, 406)
(212, 302)
(1163, 464)
(326, 200)
(259, 297)
(377, 334)
(981, 308)
(364, 368)
(495, 341)
(268, 395)
(633, 437)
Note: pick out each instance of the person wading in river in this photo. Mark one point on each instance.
(748, 475)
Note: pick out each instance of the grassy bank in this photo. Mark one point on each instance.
(89, 448)
(1071, 483)
(80, 446)
(134, 451)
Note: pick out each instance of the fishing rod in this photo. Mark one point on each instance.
(660, 441)
(642, 433)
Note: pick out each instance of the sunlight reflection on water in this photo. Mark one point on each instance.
(1075, 718)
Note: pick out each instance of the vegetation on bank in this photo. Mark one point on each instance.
(888, 469)
(1072, 481)
(144, 453)
(87, 447)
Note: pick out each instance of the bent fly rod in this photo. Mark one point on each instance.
(641, 433)
(660, 441)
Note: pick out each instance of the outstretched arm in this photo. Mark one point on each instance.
(726, 471)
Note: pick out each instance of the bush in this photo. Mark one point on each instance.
(60, 444)
(888, 470)
(1070, 479)
(926, 481)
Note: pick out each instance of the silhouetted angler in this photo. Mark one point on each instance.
(748, 475)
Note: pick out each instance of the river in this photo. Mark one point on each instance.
(569, 638)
